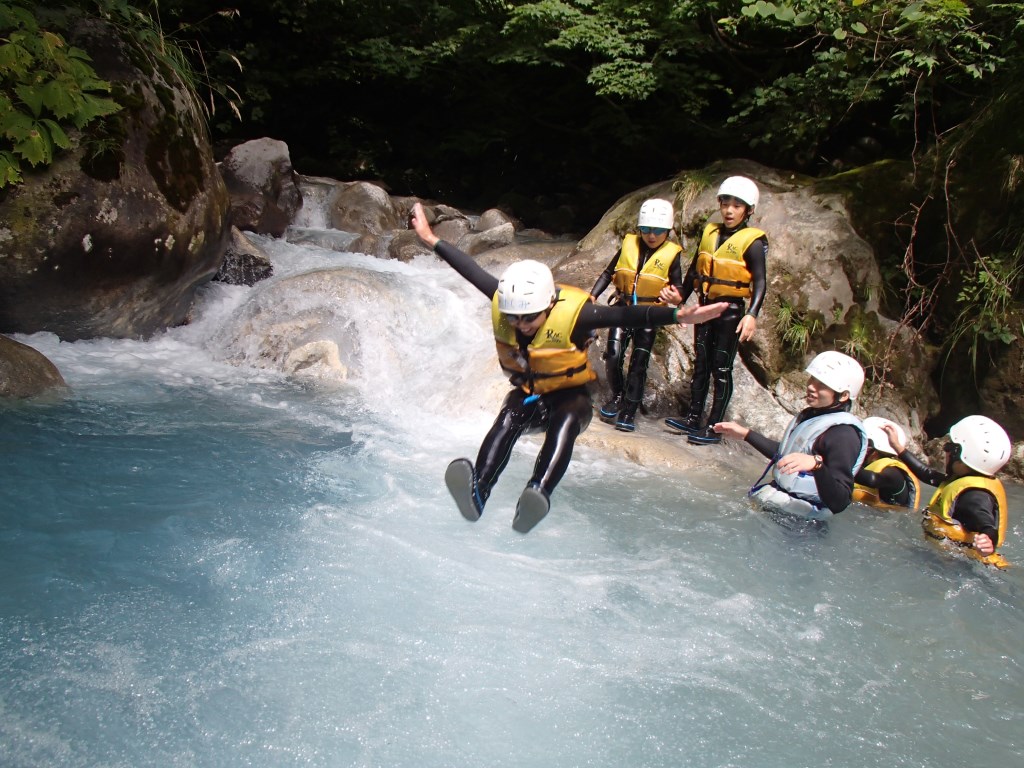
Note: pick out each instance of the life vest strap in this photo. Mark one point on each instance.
(719, 281)
(567, 373)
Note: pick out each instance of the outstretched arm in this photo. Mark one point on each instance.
(594, 316)
(461, 262)
(733, 431)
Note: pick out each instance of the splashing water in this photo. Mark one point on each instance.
(208, 562)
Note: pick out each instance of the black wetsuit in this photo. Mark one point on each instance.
(562, 414)
(715, 342)
(975, 509)
(892, 484)
(632, 386)
(839, 446)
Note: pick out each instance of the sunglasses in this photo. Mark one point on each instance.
(523, 318)
(652, 230)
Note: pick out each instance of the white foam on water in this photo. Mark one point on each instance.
(211, 561)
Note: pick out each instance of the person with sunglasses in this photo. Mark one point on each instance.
(729, 266)
(541, 331)
(645, 263)
(969, 506)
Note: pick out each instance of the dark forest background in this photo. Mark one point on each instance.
(552, 110)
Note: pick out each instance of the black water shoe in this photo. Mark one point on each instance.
(460, 477)
(706, 436)
(532, 507)
(689, 425)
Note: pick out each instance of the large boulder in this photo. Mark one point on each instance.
(262, 186)
(25, 372)
(113, 238)
(823, 288)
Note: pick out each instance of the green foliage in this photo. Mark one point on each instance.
(46, 86)
(797, 327)
(175, 48)
(986, 303)
(860, 340)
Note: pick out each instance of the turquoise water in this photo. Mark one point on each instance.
(214, 564)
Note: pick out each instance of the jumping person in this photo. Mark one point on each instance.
(542, 331)
(969, 506)
(813, 466)
(885, 482)
(729, 266)
(644, 264)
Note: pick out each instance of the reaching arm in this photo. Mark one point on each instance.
(890, 483)
(921, 470)
(461, 262)
(605, 278)
(733, 431)
(677, 292)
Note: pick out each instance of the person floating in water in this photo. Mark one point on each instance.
(969, 506)
(643, 266)
(541, 331)
(729, 266)
(885, 482)
(822, 449)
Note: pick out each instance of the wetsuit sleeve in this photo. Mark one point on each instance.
(978, 512)
(756, 258)
(605, 278)
(890, 483)
(675, 277)
(689, 279)
(921, 470)
(839, 448)
(463, 263)
(763, 445)
(594, 316)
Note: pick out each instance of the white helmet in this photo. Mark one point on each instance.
(526, 287)
(838, 372)
(656, 213)
(984, 446)
(741, 188)
(873, 429)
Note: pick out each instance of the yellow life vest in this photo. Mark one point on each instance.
(939, 523)
(721, 270)
(552, 361)
(653, 276)
(868, 495)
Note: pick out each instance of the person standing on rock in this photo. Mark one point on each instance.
(729, 266)
(644, 265)
(542, 331)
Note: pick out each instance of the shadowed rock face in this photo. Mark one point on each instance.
(113, 238)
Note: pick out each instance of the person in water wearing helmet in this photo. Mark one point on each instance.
(645, 263)
(541, 331)
(729, 266)
(885, 482)
(813, 465)
(969, 505)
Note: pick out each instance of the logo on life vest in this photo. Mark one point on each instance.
(552, 335)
